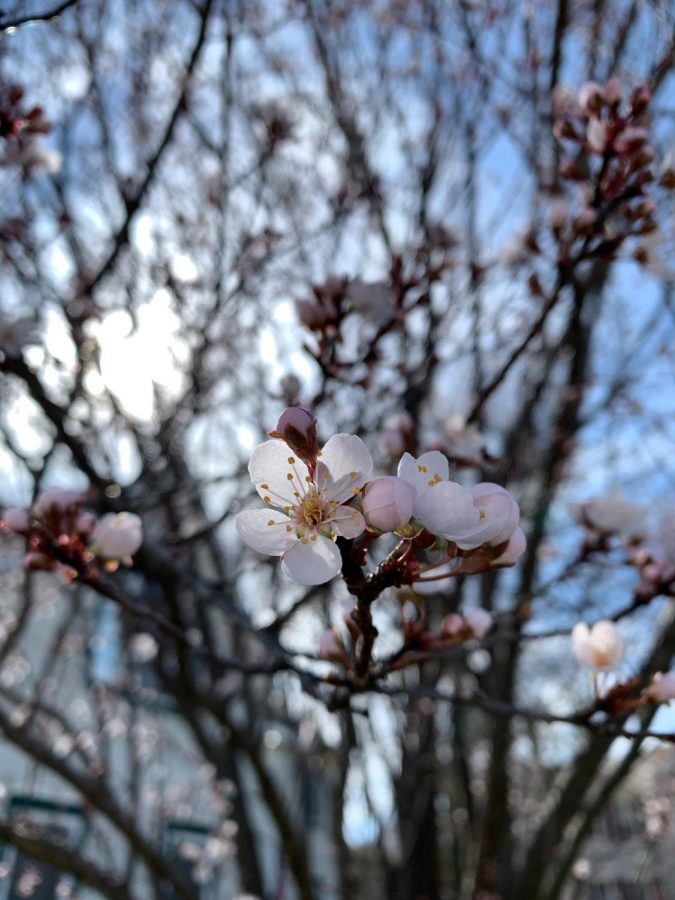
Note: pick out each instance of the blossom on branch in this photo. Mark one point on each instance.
(485, 514)
(613, 514)
(306, 510)
(600, 647)
(117, 536)
(662, 688)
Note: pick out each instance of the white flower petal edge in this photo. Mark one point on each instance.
(312, 563)
(266, 531)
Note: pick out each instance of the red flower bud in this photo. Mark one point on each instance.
(297, 427)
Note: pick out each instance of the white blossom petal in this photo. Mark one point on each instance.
(447, 509)
(348, 522)
(346, 453)
(424, 472)
(344, 467)
(266, 531)
(271, 464)
(314, 562)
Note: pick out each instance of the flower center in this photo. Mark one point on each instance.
(311, 509)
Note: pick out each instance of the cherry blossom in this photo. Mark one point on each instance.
(662, 688)
(479, 621)
(388, 503)
(485, 514)
(117, 535)
(305, 512)
(613, 514)
(600, 647)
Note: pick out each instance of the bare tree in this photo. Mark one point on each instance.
(437, 226)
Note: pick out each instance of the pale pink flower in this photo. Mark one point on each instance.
(600, 647)
(662, 688)
(486, 514)
(117, 535)
(514, 549)
(388, 503)
(479, 621)
(613, 514)
(304, 513)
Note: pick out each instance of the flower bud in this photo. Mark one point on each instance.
(613, 92)
(388, 503)
(596, 135)
(117, 535)
(631, 140)
(479, 621)
(16, 519)
(640, 100)
(297, 427)
(590, 97)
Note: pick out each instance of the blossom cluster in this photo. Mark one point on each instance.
(611, 161)
(337, 297)
(21, 128)
(60, 534)
(312, 497)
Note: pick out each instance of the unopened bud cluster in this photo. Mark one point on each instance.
(611, 160)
